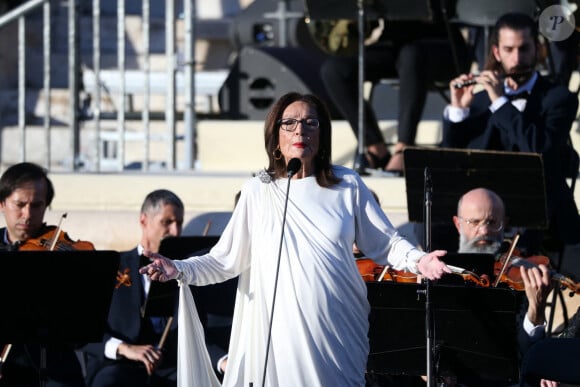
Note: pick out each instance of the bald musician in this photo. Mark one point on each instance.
(480, 222)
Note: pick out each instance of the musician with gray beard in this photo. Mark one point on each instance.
(480, 222)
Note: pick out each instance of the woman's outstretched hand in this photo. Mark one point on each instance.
(431, 267)
(160, 269)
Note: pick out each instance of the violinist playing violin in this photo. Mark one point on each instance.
(25, 194)
(480, 222)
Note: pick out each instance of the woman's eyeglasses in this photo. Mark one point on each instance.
(290, 124)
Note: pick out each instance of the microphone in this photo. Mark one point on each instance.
(293, 166)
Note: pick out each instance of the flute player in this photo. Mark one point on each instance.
(523, 113)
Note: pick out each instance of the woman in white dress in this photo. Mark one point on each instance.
(300, 319)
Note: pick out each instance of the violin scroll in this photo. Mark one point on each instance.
(566, 283)
(482, 280)
(469, 276)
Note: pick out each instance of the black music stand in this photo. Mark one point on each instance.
(475, 331)
(56, 297)
(517, 177)
(162, 296)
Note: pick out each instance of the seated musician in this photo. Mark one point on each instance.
(480, 222)
(416, 52)
(25, 194)
(129, 353)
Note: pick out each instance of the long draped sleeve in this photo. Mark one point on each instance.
(317, 301)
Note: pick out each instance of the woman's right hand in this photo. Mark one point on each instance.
(160, 269)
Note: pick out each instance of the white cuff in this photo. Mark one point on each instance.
(219, 363)
(534, 331)
(455, 114)
(111, 347)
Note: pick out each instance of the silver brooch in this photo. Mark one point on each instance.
(264, 176)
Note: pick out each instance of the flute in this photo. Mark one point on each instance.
(461, 85)
(469, 82)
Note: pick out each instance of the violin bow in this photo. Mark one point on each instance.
(383, 273)
(206, 228)
(57, 232)
(4, 355)
(165, 333)
(507, 259)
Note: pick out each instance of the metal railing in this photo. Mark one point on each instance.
(19, 15)
(79, 120)
(187, 67)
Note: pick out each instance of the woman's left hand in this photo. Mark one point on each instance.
(431, 267)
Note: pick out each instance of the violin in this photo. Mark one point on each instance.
(507, 270)
(469, 276)
(513, 278)
(55, 239)
(371, 272)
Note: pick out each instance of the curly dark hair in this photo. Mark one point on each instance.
(322, 165)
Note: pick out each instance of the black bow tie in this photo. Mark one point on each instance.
(520, 95)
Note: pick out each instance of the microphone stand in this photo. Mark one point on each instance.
(291, 173)
(359, 159)
(428, 311)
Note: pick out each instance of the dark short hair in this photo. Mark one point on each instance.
(19, 174)
(155, 199)
(323, 157)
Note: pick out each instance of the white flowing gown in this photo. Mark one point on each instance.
(320, 320)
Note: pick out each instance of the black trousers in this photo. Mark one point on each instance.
(416, 64)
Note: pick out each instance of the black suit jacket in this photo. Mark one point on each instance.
(543, 127)
(125, 321)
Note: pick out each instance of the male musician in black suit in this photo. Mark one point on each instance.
(480, 222)
(519, 110)
(418, 53)
(25, 194)
(129, 353)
